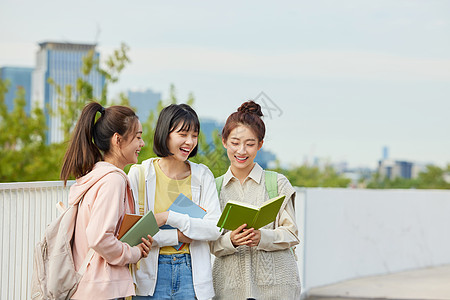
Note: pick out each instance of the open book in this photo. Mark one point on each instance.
(135, 227)
(184, 205)
(237, 213)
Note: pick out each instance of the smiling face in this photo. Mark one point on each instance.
(131, 147)
(181, 142)
(242, 146)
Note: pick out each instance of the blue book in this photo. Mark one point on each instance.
(184, 205)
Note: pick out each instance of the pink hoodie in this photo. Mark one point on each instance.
(100, 214)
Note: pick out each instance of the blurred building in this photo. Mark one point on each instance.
(17, 77)
(144, 102)
(392, 169)
(209, 127)
(62, 62)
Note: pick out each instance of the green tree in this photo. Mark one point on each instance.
(431, 178)
(306, 176)
(24, 155)
(22, 139)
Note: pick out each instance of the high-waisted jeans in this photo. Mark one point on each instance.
(174, 278)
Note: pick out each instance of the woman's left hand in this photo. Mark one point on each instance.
(145, 246)
(255, 238)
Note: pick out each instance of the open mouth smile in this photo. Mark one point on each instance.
(241, 159)
(185, 151)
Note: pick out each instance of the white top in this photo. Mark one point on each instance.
(201, 231)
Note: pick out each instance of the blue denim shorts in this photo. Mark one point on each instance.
(174, 278)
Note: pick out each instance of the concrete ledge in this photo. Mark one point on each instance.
(422, 284)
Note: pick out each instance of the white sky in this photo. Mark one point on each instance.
(348, 76)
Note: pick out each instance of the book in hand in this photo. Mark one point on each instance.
(128, 221)
(143, 226)
(237, 213)
(184, 205)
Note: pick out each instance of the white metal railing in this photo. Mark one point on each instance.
(26, 208)
(344, 233)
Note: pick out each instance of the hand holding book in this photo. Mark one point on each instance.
(236, 213)
(240, 236)
(145, 246)
(136, 227)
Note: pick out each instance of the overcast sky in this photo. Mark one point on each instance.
(344, 78)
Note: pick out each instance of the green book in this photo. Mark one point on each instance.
(237, 213)
(146, 225)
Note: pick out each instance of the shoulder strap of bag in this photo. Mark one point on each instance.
(271, 183)
(61, 208)
(141, 189)
(219, 183)
(86, 261)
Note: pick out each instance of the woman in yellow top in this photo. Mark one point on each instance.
(168, 273)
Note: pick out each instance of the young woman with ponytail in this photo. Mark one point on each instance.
(97, 153)
(250, 263)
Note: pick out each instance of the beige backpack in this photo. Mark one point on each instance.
(54, 274)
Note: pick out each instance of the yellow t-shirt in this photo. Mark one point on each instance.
(167, 190)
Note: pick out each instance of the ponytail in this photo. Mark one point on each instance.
(91, 139)
(82, 153)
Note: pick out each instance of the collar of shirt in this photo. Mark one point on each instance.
(256, 174)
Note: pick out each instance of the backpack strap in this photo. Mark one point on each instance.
(61, 208)
(219, 183)
(86, 261)
(141, 188)
(271, 183)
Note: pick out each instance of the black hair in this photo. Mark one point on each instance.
(169, 119)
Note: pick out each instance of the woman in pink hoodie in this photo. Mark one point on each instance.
(97, 154)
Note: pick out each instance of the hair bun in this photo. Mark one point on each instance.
(250, 107)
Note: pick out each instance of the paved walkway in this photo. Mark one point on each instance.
(423, 284)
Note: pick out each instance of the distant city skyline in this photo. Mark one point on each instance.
(349, 77)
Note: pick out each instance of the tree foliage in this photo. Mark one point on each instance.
(306, 176)
(433, 177)
(24, 155)
(22, 140)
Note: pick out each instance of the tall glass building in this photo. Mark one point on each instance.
(17, 77)
(144, 102)
(62, 62)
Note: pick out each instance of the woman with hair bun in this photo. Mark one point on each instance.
(250, 263)
(97, 153)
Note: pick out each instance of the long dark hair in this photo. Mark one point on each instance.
(91, 140)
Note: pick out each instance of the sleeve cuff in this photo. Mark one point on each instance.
(177, 220)
(166, 237)
(135, 255)
(227, 244)
(265, 240)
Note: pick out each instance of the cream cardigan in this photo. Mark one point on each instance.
(268, 271)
